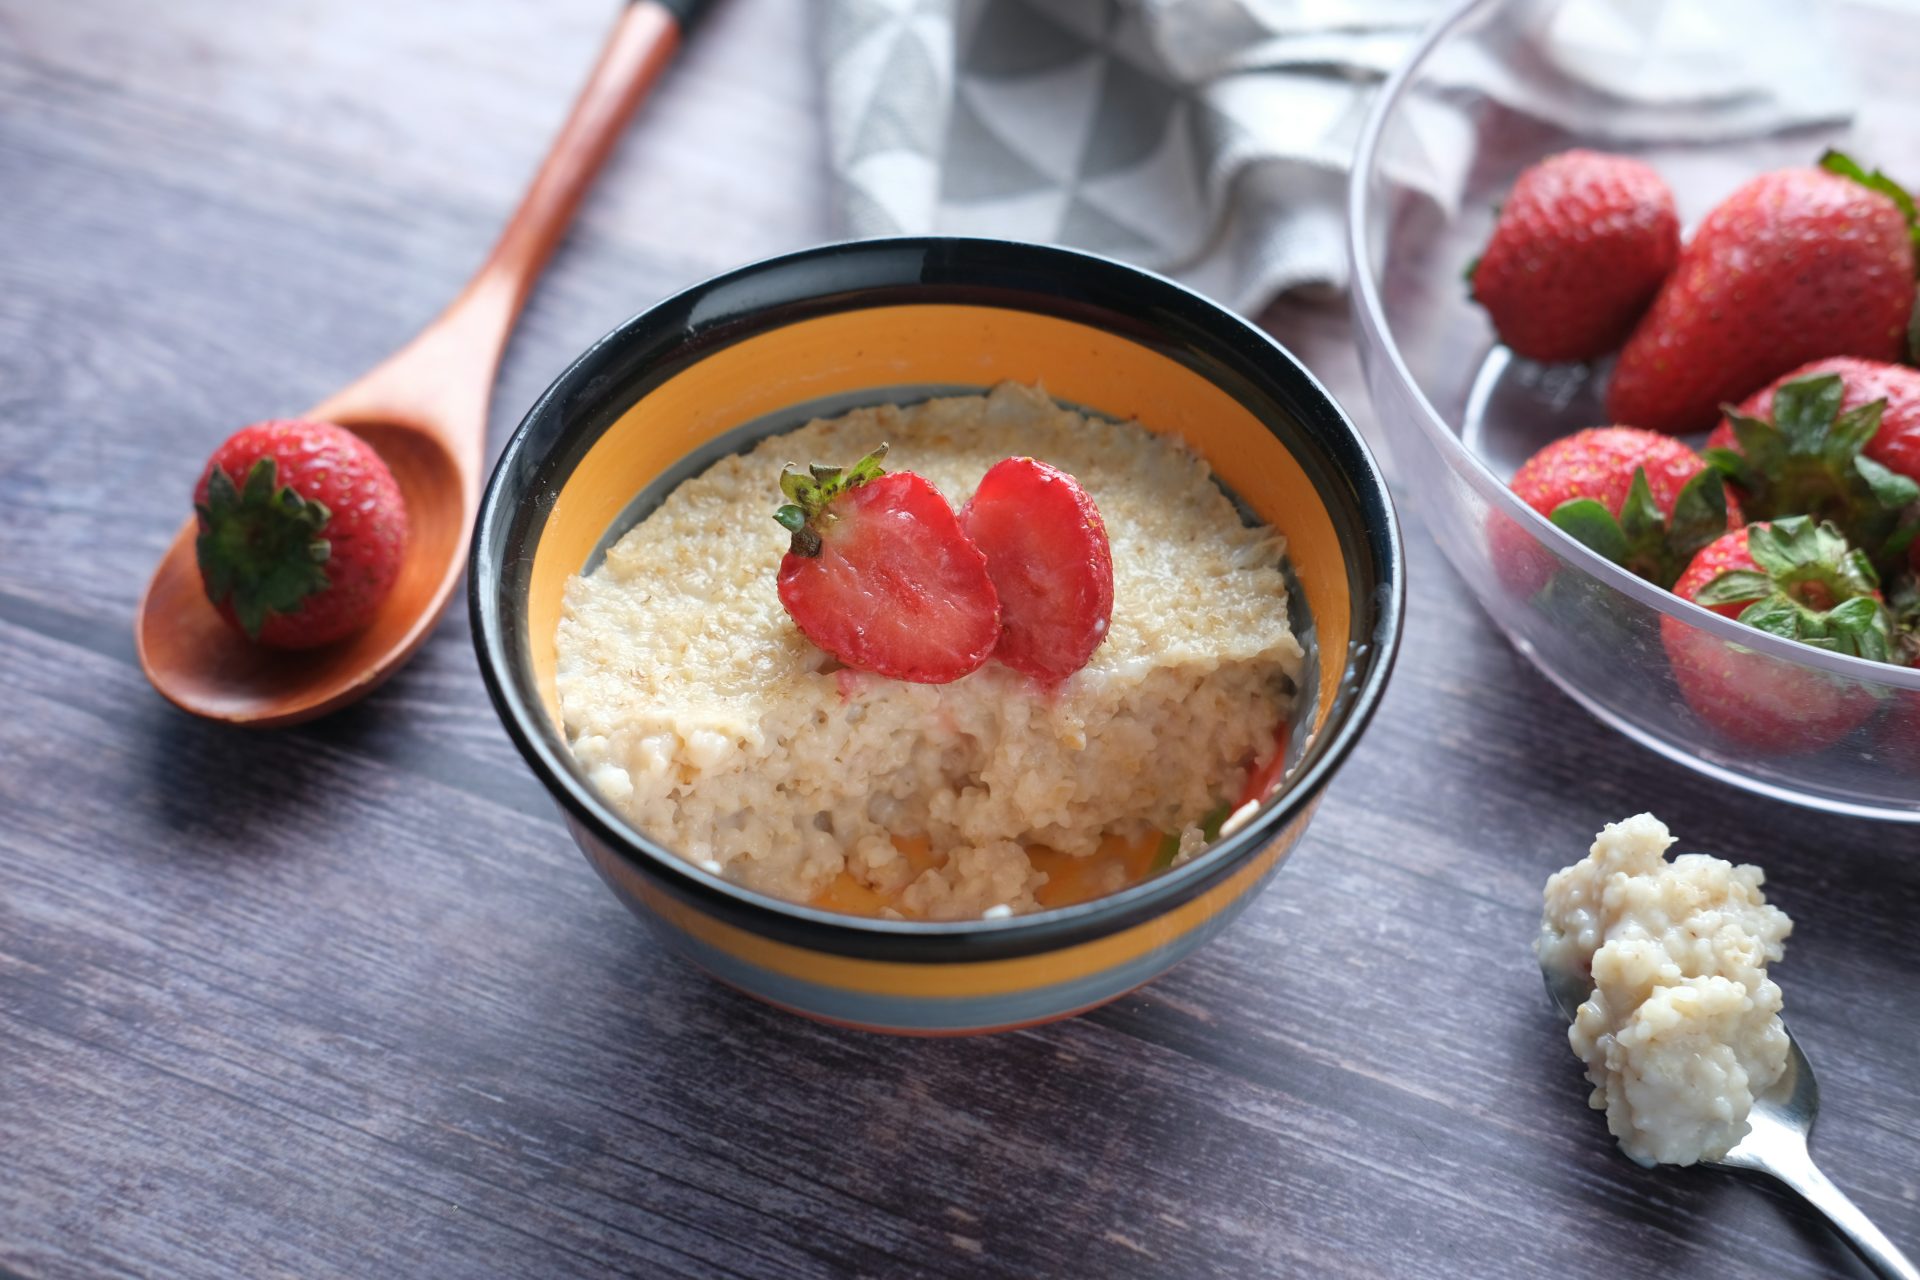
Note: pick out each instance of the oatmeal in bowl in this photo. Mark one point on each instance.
(706, 716)
(936, 635)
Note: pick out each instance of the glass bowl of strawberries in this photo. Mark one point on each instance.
(1636, 310)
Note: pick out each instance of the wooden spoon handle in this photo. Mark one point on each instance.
(442, 380)
(637, 51)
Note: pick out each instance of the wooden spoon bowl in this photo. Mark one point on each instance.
(424, 410)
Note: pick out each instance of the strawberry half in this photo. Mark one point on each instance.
(880, 575)
(1793, 578)
(1837, 440)
(1047, 553)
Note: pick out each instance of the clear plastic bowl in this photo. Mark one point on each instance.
(1459, 415)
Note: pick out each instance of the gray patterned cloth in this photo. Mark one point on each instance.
(1211, 138)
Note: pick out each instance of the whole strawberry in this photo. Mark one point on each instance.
(1792, 578)
(1579, 249)
(1641, 499)
(1839, 440)
(302, 531)
(1793, 266)
(881, 576)
(1047, 552)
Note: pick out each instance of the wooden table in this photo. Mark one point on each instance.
(343, 1000)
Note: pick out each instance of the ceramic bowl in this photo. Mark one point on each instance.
(765, 348)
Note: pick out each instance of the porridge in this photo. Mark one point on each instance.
(703, 713)
(1683, 1028)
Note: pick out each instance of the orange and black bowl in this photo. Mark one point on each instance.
(764, 349)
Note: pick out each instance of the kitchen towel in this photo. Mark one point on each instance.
(1211, 139)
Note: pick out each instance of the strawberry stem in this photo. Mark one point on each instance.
(809, 494)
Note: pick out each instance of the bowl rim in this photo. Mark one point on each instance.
(749, 300)
(1491, 487)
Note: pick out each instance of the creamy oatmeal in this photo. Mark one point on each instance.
(1683, 1028)
(701, 713)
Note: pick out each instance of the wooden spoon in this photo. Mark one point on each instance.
(424, 409)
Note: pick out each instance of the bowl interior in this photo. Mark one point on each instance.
(660, 399)
(1482, 100)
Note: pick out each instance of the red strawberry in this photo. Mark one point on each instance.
(1639, 498)
(1047, 553)
(1791, 267)
(302, 530)
(1793, 578)
(1839, 440)
(881, 576)
(1578, 252)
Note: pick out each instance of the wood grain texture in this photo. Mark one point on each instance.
(343, 1000)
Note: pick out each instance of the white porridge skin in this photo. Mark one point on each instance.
(1683, 1028)
(700, 711)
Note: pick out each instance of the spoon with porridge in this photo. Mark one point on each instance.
(1661, 966)
(274, 605)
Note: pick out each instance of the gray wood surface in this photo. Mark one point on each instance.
(343, 1000)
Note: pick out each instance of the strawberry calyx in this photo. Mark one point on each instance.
(1642, 538)
(1808, 461)
(1807, 585)
(259, 544)
(810, 494)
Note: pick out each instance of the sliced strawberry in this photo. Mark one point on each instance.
(881, 576)
(1047, 552)
(1795, 579)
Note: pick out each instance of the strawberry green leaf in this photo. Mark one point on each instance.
(1590, 522)
(1851, 431)
(1640, 515)
(1860, 627)
(1735, 586)
(1778, 616)
(1732, 464)
(1847, 167)
(1889, 487)
(1804, 411)
(791, 518)
(1699, 514)
(1913, 332)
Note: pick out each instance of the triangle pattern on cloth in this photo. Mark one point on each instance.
(1013, 38)
(1085, 225)
(1163, 197)
(900, 114)
(981, 165)
(850, 21)
(1045, 117)
(1129, 119)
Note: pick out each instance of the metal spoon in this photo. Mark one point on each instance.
(1776, 1143)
